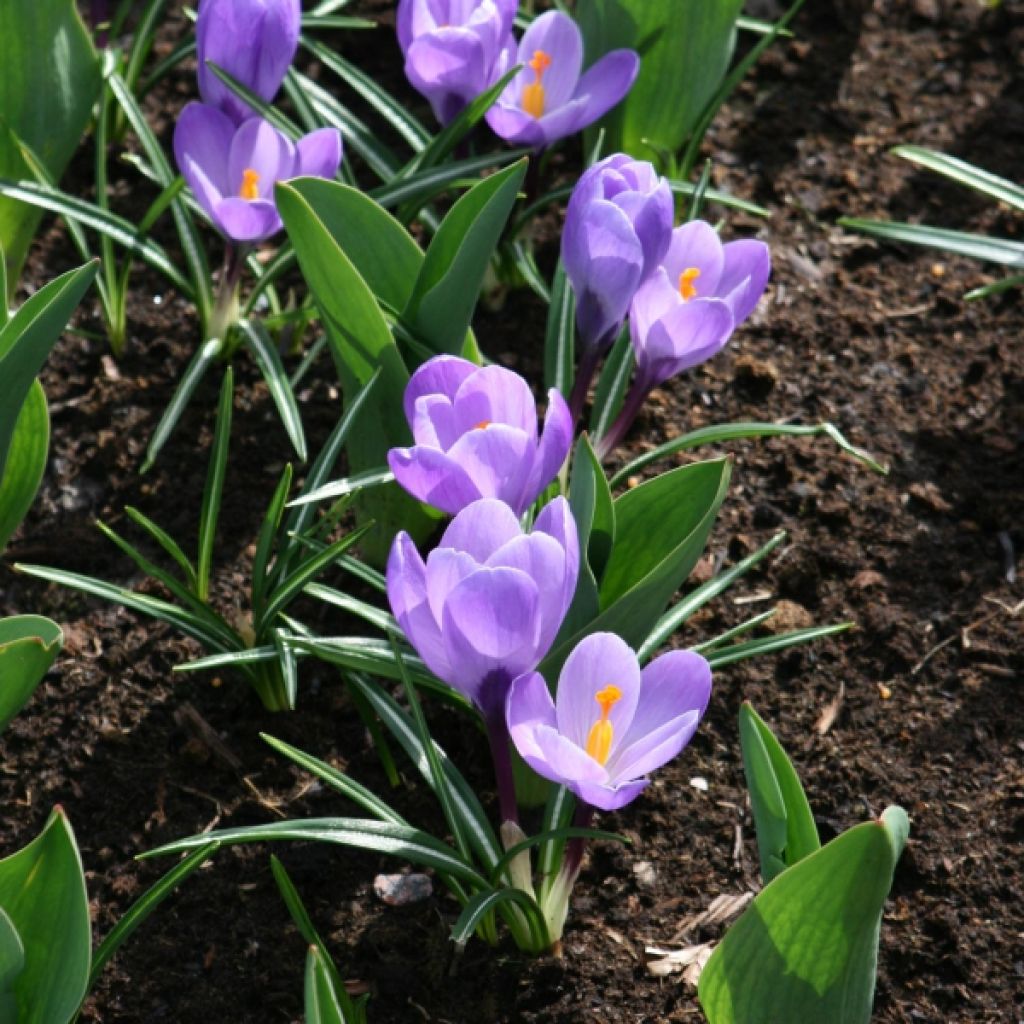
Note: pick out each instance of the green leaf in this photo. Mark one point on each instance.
(27, 338)
(12, 962)
(786, 832)
(806, 949)
(979, 247)
(448, 286)
(560, 334)
(685, 49)
(29, 644)
(213, 490)
(323, 1005)
(964, 174)
(42, 891)
(772, 644)
(361, 833)
(50, 81)
(485, 903)
(26, 461)
(661, 528)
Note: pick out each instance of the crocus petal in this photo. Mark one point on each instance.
(450, 60)
(245, 220)
(529, 703)
(608, 797)
(258, 146)
(553, 449)
(433, 477)
(494, 394)
(673, 683)
(556, 520)
(433, 422)
(683, 338)
(446, 568)
(481, 528)
(597, 660)
(556, 35)
(542, 558)
(202, 139)
(654, 749)
(440, 375)
(515, 126)
(652, 215)
(654, 299)
(497, 459)
(748, 266)
(606, 83)
(560, 760)
(696, 245)
(318, 154)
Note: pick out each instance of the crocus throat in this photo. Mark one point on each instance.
(599, 742)
(686, 285)
(533, 94)
(482, 425)
(250, 184)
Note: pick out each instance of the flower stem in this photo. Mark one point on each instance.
(497, 733)
(225, 309)
(635, 398)
(555, 903)
(584, 376)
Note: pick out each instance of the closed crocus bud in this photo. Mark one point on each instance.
(452, 48)
(549, 99)
(488, 601)
(691, 304)
(476, 436)
(618, 227)
(233, 169)
(254, 41)
(610, 724)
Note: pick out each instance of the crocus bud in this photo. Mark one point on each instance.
(691, 304)
(452, 48)
(618, 227)
(488, 601)
(610, 724)
(253, 41)
(476, 437)
(233, 169)
(549, 99)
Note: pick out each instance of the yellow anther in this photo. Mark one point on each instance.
(250, 184)
(534, 97)
(482, 425)
(686, 286)
(599, 742)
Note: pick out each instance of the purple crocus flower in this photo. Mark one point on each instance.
(452, 48)
(618, 227)
(549, 99)
(688, 309)
(254, 41)
(476, 437)
(232, 169)
(611, 723)
(487, 603)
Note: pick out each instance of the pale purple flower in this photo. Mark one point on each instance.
(488, 601)
(610, 723)
(618, 226)
(689, 307)
(233, 169)
(476, 436)
(254, 41)
(452, 48)
(549, 99)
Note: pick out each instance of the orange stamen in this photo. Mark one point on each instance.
(250, 184)
(534, 97)
(686, 286)
(599, 742)
(482, 425)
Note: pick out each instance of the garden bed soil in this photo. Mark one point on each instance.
(918, 705)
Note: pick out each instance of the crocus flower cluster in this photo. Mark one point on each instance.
(456, 49)
(476, 437)
(230, 157)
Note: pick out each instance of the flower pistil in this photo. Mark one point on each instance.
(599, 742)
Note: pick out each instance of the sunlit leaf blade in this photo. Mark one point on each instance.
(209, 512)
(26, 462)
(979, 247)
(42, 891)
(29, 644)
(964, 174)
(485, 903)
(786, 832)
(322, 1002)
(806, 949)
(773, 644)
(560, 334)
(12, 963)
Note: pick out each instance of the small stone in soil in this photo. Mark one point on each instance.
(401, 890)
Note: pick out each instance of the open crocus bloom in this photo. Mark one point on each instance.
(691, 304)
(476, 436)
(610, 724)
(232, 170)
(618, 227)
(549, 98)
(452, 47)
(253, 40)
(487, 603)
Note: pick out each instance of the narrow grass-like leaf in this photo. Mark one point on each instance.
(213, 491)
(558, 812)
(964, 174)
(612, 384)
(265, 543)
(1016, 281)
(979, 247)
(383, 620)
(773, 644)
(560, 334)
(485, 903)
(553, 835)
(730, 634)
(166, 541)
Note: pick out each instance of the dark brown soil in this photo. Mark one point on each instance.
(873, 338)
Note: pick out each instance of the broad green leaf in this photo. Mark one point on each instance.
(448, 286)
(28, 646)
(980, 247)
(42, 891)
(684, 48)
(361, 344)
(806, 949)
(27, 338)
(50, 80)
(782, 816)
(12, 963)
(26, 461)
